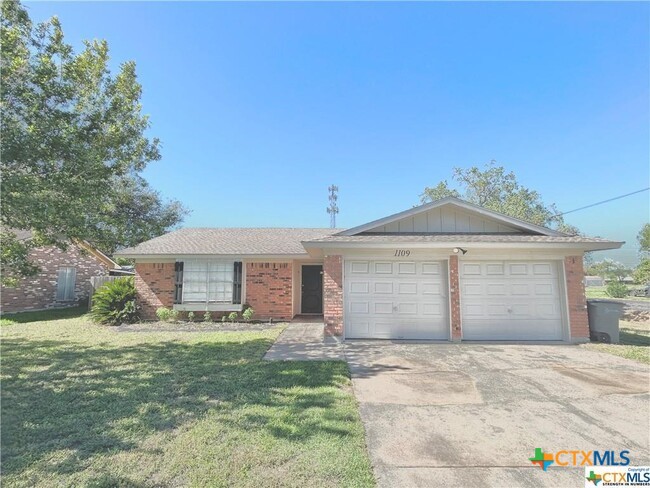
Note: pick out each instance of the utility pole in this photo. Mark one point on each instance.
(333, 208)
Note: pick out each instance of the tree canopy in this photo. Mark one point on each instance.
(644, 239)
(496, 189)
(610, 270)
(73, 144)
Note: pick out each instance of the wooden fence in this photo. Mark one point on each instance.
(95, 283)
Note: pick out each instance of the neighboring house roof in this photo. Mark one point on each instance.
(229, 241)
(456, 202)
(24, 235)
(97, 253)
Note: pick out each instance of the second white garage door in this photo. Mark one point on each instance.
(510, 300)
(396, 300)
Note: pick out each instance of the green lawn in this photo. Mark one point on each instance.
(600, 292)
(634, 342)
(84, 405)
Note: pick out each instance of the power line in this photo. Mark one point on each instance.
(604, 201)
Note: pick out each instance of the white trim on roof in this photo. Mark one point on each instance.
(319, 249)
(586, 246)
(458, 203)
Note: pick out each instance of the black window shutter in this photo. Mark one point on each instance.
(236, 284)
(178, 282)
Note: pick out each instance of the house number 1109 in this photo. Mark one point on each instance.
(402, 252)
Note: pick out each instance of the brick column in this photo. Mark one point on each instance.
(454, 294)
(333, 294)
(578, 319)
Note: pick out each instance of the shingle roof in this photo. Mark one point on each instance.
(457, 237)
(229, 241)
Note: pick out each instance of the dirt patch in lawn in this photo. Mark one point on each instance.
(642, 316)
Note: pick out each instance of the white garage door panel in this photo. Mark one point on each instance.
(396, 300)
(511, 300)
(507, 330)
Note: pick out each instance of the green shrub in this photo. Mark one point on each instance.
(248, 314)
(163, 314)
(207, 317)
(114, 302)
(232, 316)
(616, 289)
(190, 316)
(173, 315)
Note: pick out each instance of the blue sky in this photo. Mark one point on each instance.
(261, 106)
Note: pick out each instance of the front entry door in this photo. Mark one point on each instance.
(312, 289)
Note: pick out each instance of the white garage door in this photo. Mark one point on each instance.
(510, 300)
(396, 300)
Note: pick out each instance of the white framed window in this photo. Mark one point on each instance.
(65, 284)
(208, 281)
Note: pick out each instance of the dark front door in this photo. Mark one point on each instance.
(312, 289)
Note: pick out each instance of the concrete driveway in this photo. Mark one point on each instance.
(471, 415)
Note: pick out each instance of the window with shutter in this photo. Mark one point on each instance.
(206, 281)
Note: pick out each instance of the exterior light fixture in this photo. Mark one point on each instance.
(460, 249)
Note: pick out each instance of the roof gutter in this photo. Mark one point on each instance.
(314, 247)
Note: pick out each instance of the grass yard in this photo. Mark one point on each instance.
(634, 342)
(601, 292)
(85, 405)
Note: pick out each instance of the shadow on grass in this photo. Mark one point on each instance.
(43, 315)
(632, 337)
(85, 400)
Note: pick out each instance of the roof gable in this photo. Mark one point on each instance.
(450, 215)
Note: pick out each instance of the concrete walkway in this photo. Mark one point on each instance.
(305, 341)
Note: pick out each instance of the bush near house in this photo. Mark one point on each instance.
(616, 289)
(248, 314)
(114, 302)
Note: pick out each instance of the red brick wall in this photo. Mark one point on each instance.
(154, 284)
(39, 292)
(578, 319)
(333, 295)
(269, 289)
(454, 293)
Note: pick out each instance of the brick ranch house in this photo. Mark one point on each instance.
(446, 270)
(63, 281)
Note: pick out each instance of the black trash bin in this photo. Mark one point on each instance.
(603, 320)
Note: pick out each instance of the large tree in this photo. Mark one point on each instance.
(642, 271)
(644, 239)
(73, 143)
(609, 270)
(494, 188)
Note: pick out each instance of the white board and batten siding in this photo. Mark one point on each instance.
(390, 299)
(445, 219)
(511, 300)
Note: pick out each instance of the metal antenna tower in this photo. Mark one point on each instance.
(333, 208)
